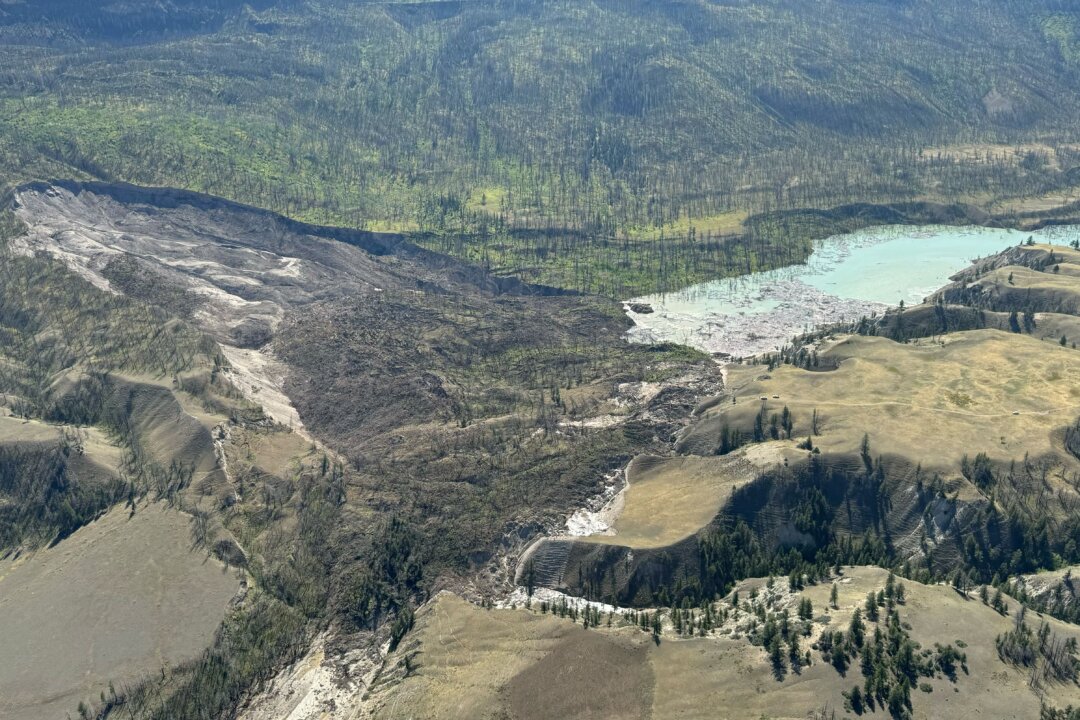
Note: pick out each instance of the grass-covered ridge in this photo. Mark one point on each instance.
(860, 643)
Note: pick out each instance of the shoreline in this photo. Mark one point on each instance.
(761, 312)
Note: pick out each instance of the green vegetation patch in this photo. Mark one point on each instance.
(613, 148)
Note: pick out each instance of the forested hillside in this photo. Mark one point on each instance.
(591, 145)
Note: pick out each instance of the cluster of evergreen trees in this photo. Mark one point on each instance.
(779, 633)
(890, 662)
(388, 581)
(770, 426)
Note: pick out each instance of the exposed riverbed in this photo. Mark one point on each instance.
(847, 277)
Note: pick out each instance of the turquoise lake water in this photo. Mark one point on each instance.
(847, 277)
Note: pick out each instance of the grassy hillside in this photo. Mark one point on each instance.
(173, 600)
(584, 144)
(982, 391)
(940, 439)
(61, 338)
(669, 499)
(524, 663)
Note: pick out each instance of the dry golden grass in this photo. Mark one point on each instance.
(1056, 292)
(1036, 204)
(118, 599)
(97, 447)
(1061, 285)
(476, 663)
(669, 499)
(1052, 326)
(468, 658)
(18, 430)
(689, 673)
(980, 391)
(1062, 253)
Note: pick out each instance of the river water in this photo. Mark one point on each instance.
(847, 277)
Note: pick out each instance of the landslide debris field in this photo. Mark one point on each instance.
(316, 402)
(279, 384)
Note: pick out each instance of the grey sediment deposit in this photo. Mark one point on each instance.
(796, 308)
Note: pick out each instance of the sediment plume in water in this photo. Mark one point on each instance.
(847, 277)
